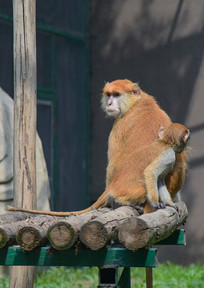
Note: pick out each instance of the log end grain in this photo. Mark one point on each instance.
(62, 235)
(130, 233)
(94, 235)
(28, 238)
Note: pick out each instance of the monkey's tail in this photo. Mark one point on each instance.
(99, 203)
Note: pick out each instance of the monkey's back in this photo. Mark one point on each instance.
(128, 180)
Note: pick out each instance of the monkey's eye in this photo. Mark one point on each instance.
(116, 94)
(108, 94)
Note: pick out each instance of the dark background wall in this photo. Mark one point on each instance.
(160, 44)
(63, 101)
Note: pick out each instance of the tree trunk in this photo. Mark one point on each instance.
(146, 230)
(24, 119)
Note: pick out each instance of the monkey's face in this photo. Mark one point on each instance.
(111, 103)
(119, 96)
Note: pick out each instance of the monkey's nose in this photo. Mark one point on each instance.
(110, 102)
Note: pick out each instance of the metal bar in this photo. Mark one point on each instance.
(125, 278)
(119, 257)
(108, 277)
(69, 35)
(114, 277)
(46, 28)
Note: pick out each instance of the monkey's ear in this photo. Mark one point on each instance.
(106, 83)
(136, 89)
(161, 132)
(186, 136)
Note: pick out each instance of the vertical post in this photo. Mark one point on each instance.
(149, 277)
(24, 15)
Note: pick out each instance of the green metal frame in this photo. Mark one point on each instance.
(114, 263)
(51, 30)
(108, 257)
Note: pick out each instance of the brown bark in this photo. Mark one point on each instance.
(146, 230)
(64, 234)
(96, 234)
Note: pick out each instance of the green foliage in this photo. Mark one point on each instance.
(165, 275)
(67, 277)
(169, 275)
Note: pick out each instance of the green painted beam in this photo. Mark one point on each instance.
(78, 37)
(177, 238)
(119, 257)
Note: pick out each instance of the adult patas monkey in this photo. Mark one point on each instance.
(138, 119)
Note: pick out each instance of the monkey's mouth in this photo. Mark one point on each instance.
(113, 111)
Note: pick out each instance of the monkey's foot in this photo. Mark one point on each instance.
(177, 209)
(173, 206)
(159, 205)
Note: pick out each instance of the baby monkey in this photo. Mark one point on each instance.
(140, 177)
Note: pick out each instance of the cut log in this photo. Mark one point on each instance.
(64, 234)
(30, 237)
(10, 231)
(146, 230)
(32, 233)
(96, 234)
(7, 234)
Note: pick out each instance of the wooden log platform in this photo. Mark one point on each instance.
(96, 228)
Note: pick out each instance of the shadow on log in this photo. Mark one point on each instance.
(148, 229)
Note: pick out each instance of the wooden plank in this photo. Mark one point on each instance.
(119, 257)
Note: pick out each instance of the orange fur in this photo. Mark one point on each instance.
(136, 126)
